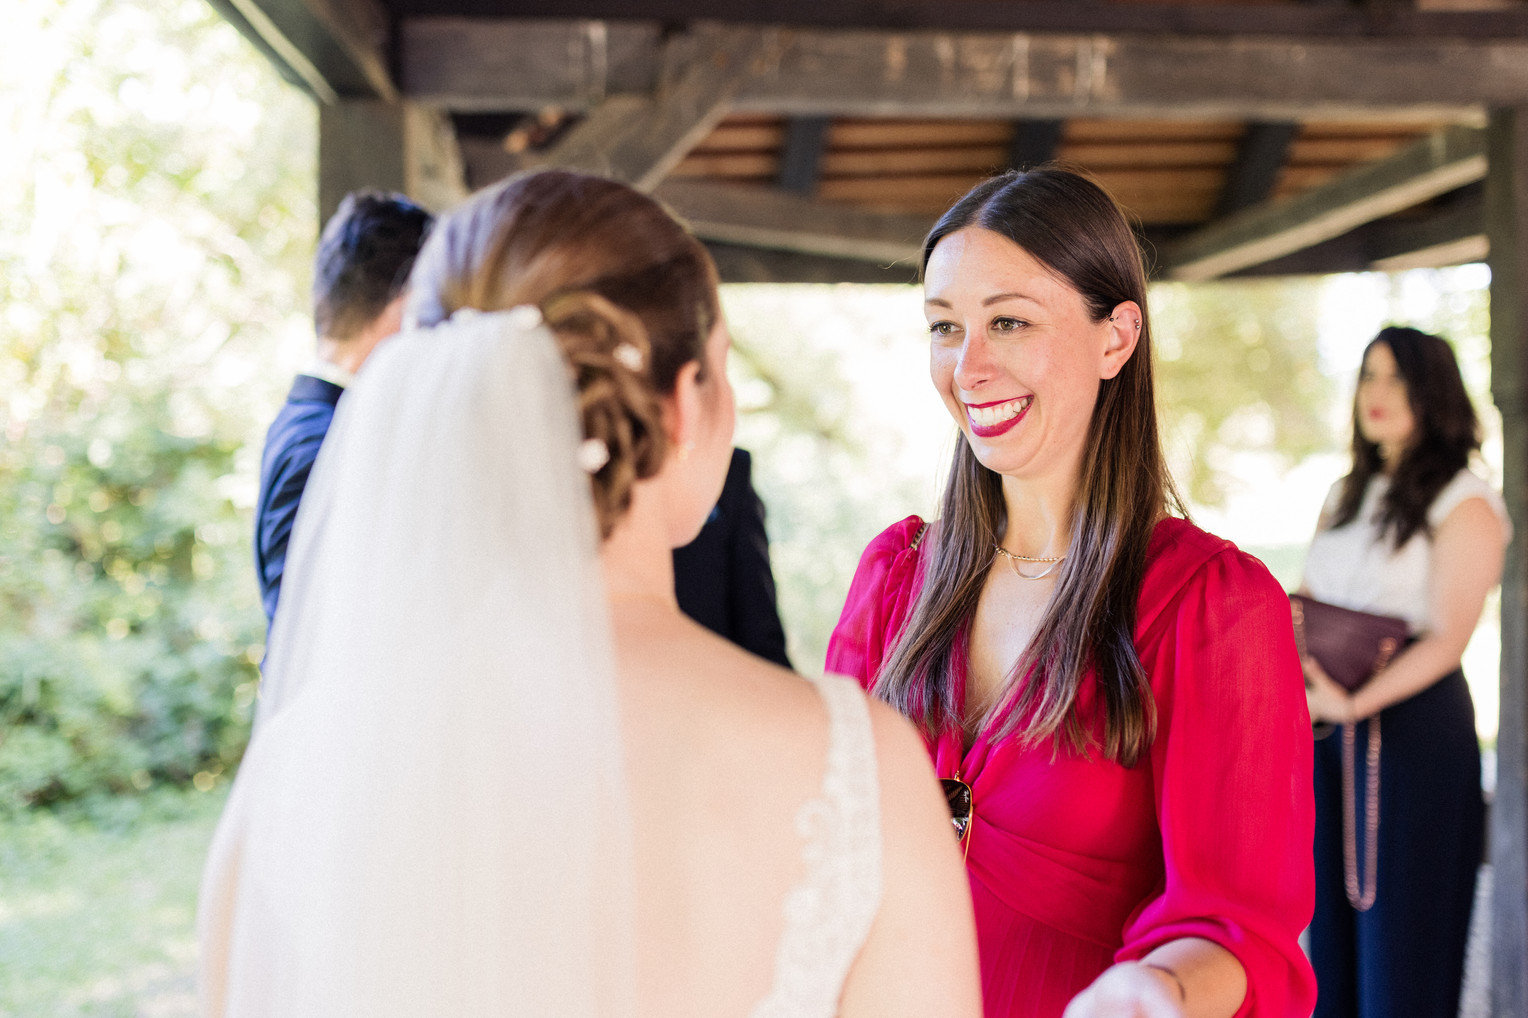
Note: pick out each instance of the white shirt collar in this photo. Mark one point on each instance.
(329, 372)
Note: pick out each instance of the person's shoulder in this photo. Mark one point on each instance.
(902, 536)
(1183, 558)
(1462, 487)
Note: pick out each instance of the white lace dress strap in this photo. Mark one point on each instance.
(829, 912)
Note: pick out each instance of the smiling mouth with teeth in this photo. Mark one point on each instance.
(995, 418)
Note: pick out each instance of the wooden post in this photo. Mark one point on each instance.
(1507, 219)
(360, 144)
(403, 147)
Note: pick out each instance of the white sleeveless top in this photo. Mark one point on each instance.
(1354, 567)
(829, 912)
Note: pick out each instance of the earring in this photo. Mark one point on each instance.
(684, 451)
(1136, 324)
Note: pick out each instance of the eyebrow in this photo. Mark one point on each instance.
(996, 298)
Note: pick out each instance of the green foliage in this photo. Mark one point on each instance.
(1238, 370)
(155, 230)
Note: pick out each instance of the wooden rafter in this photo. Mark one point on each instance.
(1436, 165)
(334, 49)
(770, 218)
(1260, 155)
(639, 138)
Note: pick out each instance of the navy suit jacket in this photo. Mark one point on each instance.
(723, 579)
(291, 446)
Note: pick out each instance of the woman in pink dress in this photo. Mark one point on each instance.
(1112, 695)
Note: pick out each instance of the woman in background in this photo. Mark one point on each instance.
(1112, 694)
(1410, 532)
(498, 772)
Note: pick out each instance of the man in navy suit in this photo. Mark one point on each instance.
(722, 578)
(364, 257)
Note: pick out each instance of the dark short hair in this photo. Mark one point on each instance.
(364, 257)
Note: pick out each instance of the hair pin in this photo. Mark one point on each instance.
(593, 454)
(629, 356)
(525, 317)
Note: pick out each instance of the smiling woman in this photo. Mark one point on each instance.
(1088, 670)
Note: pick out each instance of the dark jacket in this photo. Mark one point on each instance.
(722, 578)
(291, 446)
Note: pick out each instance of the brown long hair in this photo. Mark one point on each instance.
(1074, 228)
(1447, 431)
(608, 267)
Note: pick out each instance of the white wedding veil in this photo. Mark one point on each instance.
(431, 817)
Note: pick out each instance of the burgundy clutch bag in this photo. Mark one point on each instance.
(1350, 645)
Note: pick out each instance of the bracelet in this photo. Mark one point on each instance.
(1182, 992)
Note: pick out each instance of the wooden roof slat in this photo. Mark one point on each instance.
(730, 136)
(892, 162)
(1327, 150)
(761, 165)
(1110, 155)
(1436, 165)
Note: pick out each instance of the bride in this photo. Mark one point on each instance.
(495, 770)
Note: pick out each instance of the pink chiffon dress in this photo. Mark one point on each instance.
(1076, 862)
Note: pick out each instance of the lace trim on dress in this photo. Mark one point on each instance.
(828, 914)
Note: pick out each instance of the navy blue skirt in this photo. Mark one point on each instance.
(1404, 957)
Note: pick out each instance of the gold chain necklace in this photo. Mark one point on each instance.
(1015, 559)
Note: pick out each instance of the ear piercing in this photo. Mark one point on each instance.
(1137, 324)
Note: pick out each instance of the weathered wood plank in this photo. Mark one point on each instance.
(639, 138)
(503, 64)
(360, 144)
(1124, 155)
(770, 218)
(1353, 20)
(873, 162)
(434, 174)
(1507, 215)
(1434, 166)
(469, 64)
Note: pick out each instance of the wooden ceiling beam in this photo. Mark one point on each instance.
(767, 217)
(1346, 20)
(637, 138)
(1448, 160)
(1034, 142)
(507, 64)
(801, 154)
(332, 49)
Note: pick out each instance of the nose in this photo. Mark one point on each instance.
(975, 364)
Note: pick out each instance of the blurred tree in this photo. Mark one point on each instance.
(1239, 370)
(156, 224)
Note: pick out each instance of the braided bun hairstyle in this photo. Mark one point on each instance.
(629, 293)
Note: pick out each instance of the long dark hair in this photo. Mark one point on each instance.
(1074, 228)
(1447, 431)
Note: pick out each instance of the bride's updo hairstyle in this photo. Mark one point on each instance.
(629, 293)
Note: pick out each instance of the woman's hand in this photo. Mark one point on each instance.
(1130, 989)
(1327, 700)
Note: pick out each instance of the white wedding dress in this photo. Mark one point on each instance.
(403, 837)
